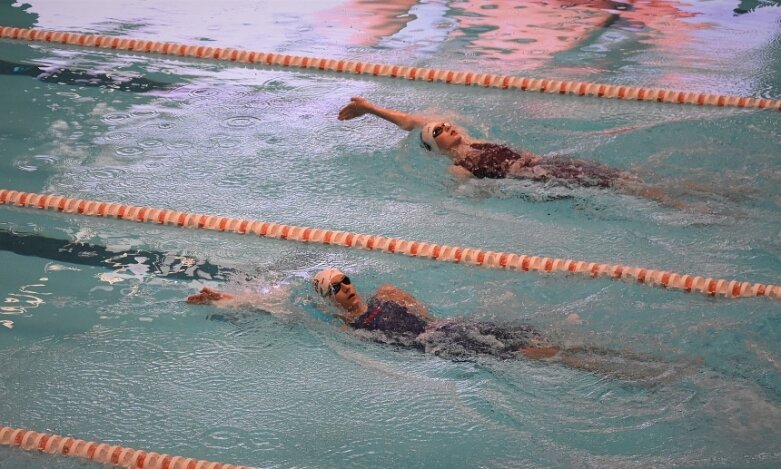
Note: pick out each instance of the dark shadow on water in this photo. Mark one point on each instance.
(67, 76)
(748, 6)
(159, 264)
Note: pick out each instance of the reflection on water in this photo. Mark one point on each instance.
(578, 37)
(20, 303)
(528, 34)
(125, 265)
(669, 40)
(65, 76)
(748, 6)
(265, 143)
(136, 262)
(377, 20)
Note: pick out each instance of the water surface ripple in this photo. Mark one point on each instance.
(99, 344)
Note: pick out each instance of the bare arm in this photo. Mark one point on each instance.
(273, 300)
(393, 293)
(359, 106)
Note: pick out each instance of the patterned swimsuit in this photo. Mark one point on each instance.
(389, 317)
(493, 161)
(454, 339)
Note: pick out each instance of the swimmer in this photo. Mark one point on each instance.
(399, 318)
(397, 315)
(475, 158)
(393, 316)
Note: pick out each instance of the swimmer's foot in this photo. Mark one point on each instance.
(207, 296)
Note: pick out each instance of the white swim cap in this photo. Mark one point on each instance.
(324, 279)
(427, 140)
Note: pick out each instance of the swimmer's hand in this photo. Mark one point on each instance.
(357, 107)
(208, 296)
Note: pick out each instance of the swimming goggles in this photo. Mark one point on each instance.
(336, 287)
(439, 129)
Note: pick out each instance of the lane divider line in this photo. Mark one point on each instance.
(471, 256)
(101, 452)
(464, 78)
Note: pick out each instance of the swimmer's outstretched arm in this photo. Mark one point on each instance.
(274, 301)
(359, 106)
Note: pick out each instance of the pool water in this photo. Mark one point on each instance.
(97, 342)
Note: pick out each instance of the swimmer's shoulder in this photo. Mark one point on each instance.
(388, 291)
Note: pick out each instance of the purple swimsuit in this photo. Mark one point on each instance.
(495, 161)
(391, 317)
(455, 339)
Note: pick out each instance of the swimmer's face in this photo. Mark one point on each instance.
(447, 136)
(345, 294)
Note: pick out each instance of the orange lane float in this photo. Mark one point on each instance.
(465, 78)
(471, 256)
(101, 452)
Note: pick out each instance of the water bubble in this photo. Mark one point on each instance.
(116, 117)
(204, 92)
(145, 113)
(151, 143)
(117, 136)
(241, 121)
(223, 141)
(129, 151)
(288, 102)
(36, 162)
(106, 173)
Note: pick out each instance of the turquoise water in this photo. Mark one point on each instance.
(101, 346)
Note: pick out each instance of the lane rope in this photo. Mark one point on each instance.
(466, 78)
(101, 452)
(445, 253)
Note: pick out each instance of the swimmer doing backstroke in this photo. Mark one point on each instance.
(476, 158)
(393, 316)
